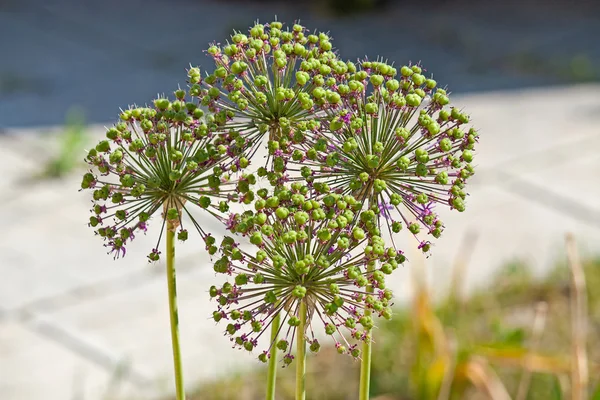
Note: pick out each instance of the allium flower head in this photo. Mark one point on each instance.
(311, 247)
(269, 81)
(163, 159)
(395, 141)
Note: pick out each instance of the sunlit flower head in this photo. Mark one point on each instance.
(394, 141)
(269, 80)
(311, 247)
(162, 159)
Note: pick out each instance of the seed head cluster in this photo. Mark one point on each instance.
(309, 247)
(356, 153)
(162, 159)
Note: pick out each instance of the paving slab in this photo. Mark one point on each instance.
(517, 125)
(36, 367)
(134, 323)
(12, 164)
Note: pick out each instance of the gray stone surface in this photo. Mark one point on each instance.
(72, 320)
(37, 367)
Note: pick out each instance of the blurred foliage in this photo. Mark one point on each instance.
(71, 140)
(15, 83)
(473, 348)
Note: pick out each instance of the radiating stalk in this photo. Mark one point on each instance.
(174, 316)
(272, 373)
(301, 355)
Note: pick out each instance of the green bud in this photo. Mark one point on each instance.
(442, 178)
(414, 228)
(333, 97)
(421, 170)
(175, 175)
(445, 145)
(418, 79)
(392, 85)
(299, 292)
(282, 345)
(270, 297)
(413, 100)
(273, 202)
(330, 329)
(366, 322)
(421, 155)
(371, 108)
(182, 235)
(406, 71)
(467, 156)
(256, 239)
(314, 346)
(422, 198)
(458, 204)
(116, 157)
(376, 80)
(217, 316)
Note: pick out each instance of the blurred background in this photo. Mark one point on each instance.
(492, 313)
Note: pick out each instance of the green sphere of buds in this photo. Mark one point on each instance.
(395, 143)
(315, 253)
(158, 160)
(272, 80)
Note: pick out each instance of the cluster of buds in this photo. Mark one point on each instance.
(351, 149)
(312, 246)
(269, 81)
(394, 141)
(162, 158)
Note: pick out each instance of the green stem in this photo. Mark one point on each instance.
(272, 374)
(365, 364)
(173, 312)
(301, 355)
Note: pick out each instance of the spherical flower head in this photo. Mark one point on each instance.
(312, 247)
(396, 142)
(161, 159)
(268, 81)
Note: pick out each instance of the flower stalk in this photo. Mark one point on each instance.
(301, 355)
(174, 315)
(272, 372)
(365, 364)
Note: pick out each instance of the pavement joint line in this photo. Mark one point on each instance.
(98, 290)
(86, 349)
